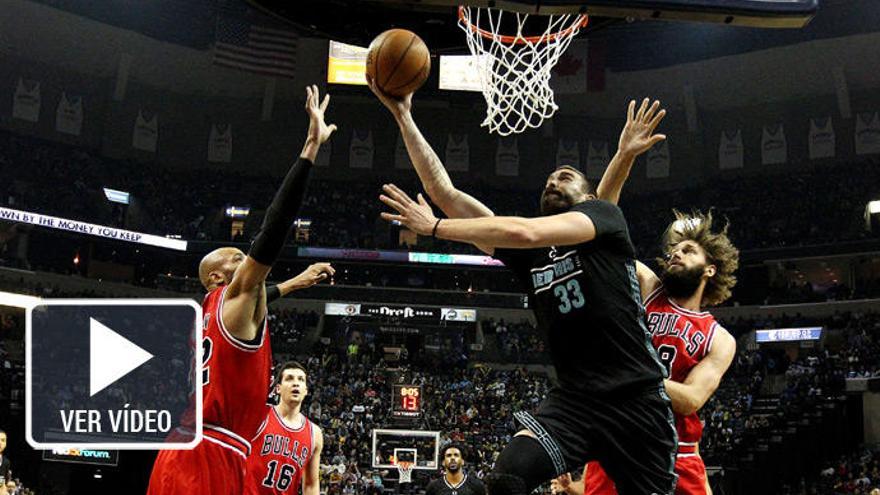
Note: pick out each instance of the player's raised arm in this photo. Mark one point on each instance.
(453, 202)
(314, 274)
(636, 138)
(563, 229)
(311, 484)
(702, 381)
(245, 302)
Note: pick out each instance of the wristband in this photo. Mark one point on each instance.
(434, 232)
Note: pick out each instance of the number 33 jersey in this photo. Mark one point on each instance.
(682, 338)
(587, 300)
(279, 457)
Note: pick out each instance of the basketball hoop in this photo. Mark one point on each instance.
(405, 470)
(515, 68)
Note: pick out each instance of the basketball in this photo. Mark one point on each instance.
(398, 61)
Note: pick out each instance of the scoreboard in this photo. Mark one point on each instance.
(406, 401)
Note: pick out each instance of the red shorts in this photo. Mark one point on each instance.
(208, 469)
(690, 470)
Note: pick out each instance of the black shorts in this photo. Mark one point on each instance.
(632, 436)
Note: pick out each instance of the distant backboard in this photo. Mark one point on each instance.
(421, 447)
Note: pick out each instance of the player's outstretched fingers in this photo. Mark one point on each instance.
(392, 203)
(397, 193)
(650, 113)
(391, 217)
(656, 120)
(631, 111)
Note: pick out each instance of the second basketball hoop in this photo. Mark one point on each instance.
(515, 67)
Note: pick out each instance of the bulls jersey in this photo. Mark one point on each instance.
(279, 456)
(682, 338)
(236, 377)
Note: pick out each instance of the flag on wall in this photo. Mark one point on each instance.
(253, 48)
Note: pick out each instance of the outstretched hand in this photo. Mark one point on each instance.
(638, 135)
(314, 274)
(398, 106)
(319, 131)
(416, 216)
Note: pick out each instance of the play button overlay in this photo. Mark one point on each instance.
(113, 374)
(111, 356)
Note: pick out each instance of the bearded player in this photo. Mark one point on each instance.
(236, 358)
(578, 262)
(286, 452)
(455, 480)
(697, 271)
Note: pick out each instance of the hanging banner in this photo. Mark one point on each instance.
(26, 100)
(69, 115)
(774, 149)
(458, 153)
(730, 150)
(822, 139)
(507, 157)
(658, 161)
(569, 75)
(568, 153)
(597, 158)
(145, 135)
(220, 144)
(360, 153)
(867, 133)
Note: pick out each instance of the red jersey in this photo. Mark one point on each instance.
(681, 338)
(279, 456)
(235, 382)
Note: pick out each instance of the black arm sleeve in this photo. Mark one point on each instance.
(272, 293)
(611, 229)
(281, 214)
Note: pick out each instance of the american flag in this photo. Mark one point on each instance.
(255, 48)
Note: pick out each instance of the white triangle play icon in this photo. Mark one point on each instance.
(111, 356)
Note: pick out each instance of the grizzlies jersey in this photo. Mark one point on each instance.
(587, 299)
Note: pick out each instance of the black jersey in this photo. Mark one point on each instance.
(587, 299)
(469, 485)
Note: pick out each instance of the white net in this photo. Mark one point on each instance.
(515, 69)
(405, 470)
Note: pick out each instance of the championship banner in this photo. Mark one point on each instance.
(507, 157)
(458, 153)
(568, 153)
(597, 158)
(26, 100)
(145, 135)
(90, 229)
(69, 115)
(658, 161)
(360, 154)
(867, 133)
(822, 139)
(730, 150)
(220, 144)
(774, 149)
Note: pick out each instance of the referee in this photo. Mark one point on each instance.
(455, 481)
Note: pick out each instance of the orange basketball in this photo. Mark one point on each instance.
(398, 61)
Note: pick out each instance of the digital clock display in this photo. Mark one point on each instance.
(407, 401)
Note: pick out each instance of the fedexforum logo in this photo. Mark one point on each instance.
(95, 454)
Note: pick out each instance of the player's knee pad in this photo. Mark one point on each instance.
(520, 468)
(505, 484)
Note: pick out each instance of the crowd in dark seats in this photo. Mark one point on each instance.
(857, 473)
(518, 342)
(68, 181)
(288, 327)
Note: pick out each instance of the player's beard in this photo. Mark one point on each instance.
(682, 283)
(555, 202)
(453, 468)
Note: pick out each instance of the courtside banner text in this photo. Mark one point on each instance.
(90, 229)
